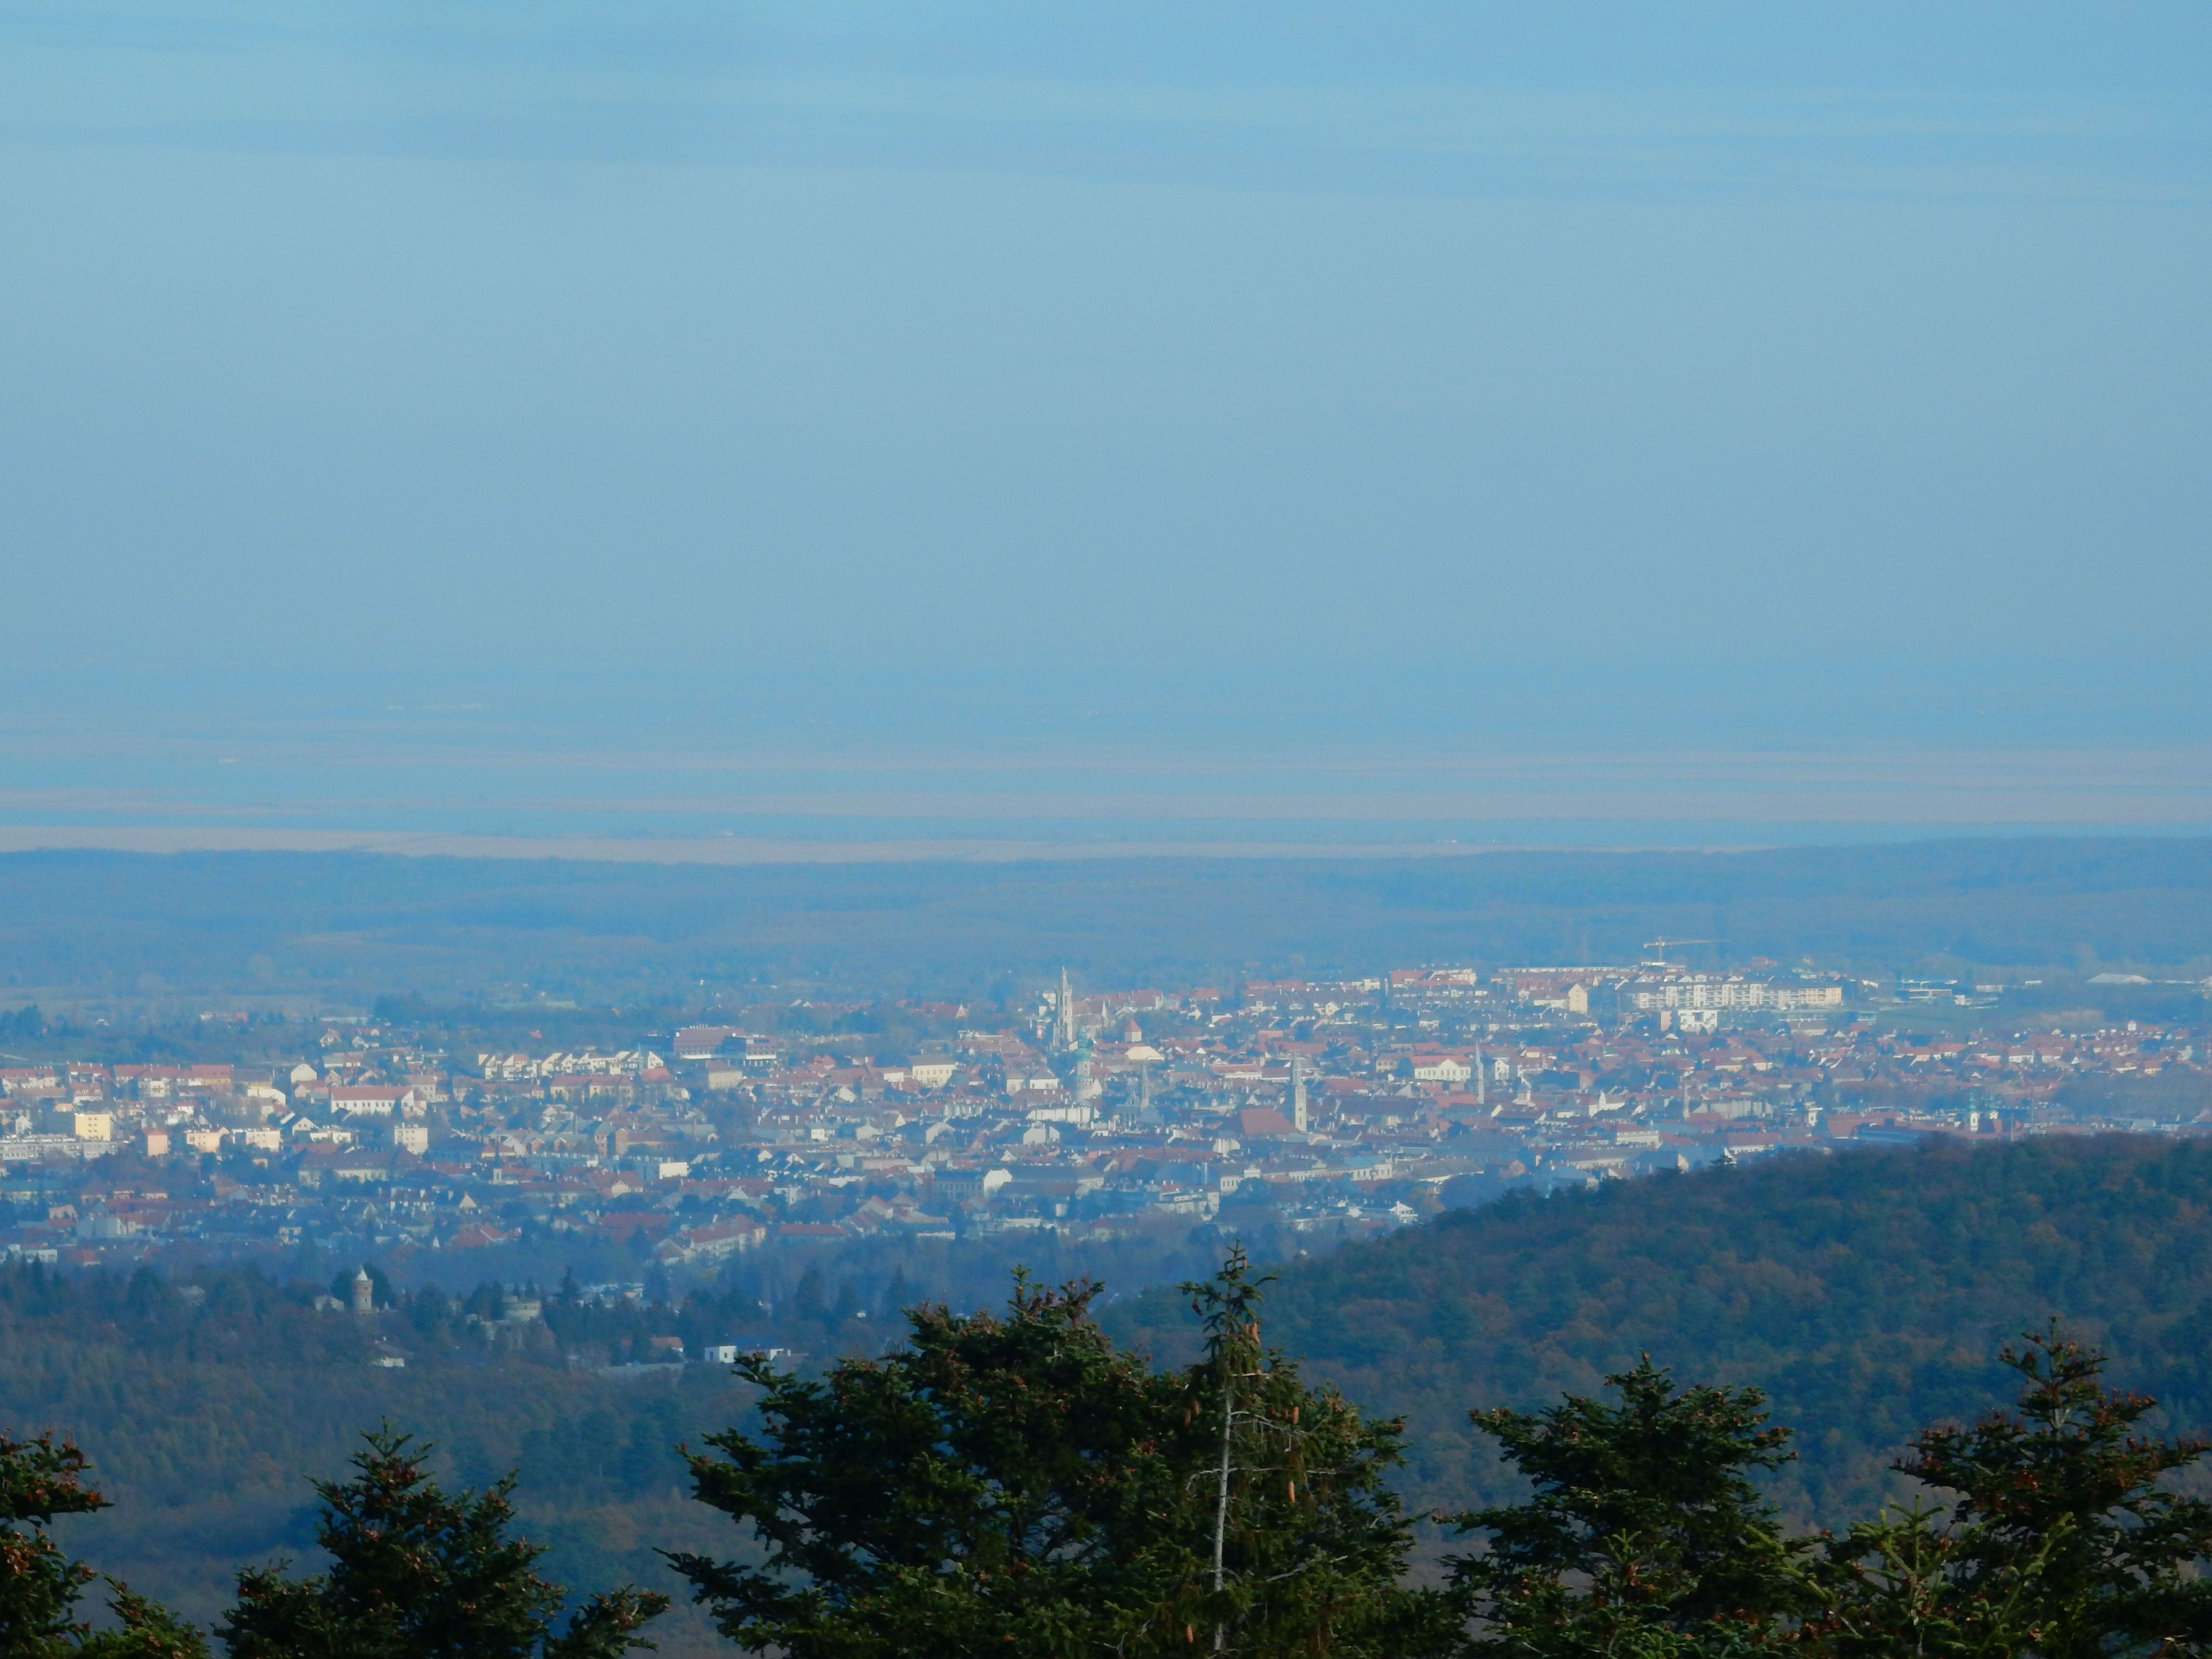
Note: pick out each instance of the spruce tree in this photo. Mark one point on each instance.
(1644, 1535)
(417, 1574)
(40, 1586)
(973, 1491)
(1018, 1486)
(2063, 1541)
(1306, 1540)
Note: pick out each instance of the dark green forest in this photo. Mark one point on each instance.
(206, 1408)
(1866, 1294)
(360, 925)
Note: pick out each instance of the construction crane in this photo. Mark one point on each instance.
(1662, 944)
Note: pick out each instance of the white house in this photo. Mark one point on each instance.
(375, 1100)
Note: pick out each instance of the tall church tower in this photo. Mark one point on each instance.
(1063, 1023)
(1298, 1093)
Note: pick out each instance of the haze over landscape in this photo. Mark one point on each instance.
(1591, 426)
(1401, 710)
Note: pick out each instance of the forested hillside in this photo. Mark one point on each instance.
(204, 1409)
(1868, 1293)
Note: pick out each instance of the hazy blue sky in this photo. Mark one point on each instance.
(1227, 375)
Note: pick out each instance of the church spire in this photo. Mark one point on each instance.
(1063, 1023)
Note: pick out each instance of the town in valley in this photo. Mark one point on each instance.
(769, 1127)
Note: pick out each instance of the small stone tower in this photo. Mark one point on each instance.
(364, 1291)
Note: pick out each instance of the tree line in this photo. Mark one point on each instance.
(1865, 1294)
(1017, 1484)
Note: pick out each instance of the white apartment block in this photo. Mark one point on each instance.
(1685, 991)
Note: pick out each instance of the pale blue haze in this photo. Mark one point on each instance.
(1026, 422)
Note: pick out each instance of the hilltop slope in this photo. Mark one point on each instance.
(1866, 1293)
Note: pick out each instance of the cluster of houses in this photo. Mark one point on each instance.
(1330, 1108)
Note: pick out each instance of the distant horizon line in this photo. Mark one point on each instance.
(161, 840)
